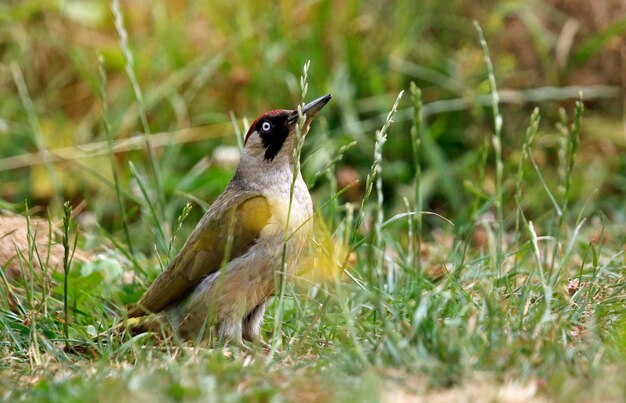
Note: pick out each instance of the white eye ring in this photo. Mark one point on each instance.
(266, 126)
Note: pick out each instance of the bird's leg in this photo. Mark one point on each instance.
(252, 323)
(229, 332)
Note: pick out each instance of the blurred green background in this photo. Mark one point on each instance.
(202, 65)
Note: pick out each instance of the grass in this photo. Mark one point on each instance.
(281, 282)
(487, 253)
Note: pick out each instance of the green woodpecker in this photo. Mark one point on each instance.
(224, 275)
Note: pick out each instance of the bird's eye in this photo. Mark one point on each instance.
(266, 126)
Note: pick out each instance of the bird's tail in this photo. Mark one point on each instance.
(140, 324)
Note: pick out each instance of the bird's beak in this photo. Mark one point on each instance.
(311, 109)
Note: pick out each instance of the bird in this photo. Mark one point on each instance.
(221, 280)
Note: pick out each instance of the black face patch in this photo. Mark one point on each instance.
(273, 128)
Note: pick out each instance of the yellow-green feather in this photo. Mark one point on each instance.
(203, 253)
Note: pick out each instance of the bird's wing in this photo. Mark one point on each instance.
(204, 252)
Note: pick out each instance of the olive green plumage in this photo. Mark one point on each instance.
(205, 250)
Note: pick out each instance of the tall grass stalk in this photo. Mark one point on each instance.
(68, 255)
(375, 176)
(130, 71)
(32, 317)
(181, 219)
(379, 248)
(547, 289)
(29, 260)
(297, 151)
(568, 141)
(45, 289)
(497, 147)
(416, 143)
(529, 139)
(152, 207)
(572, 141)
(377, 254)
(114, 169)
(381, 138)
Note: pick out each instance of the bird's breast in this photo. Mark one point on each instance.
(295, 217)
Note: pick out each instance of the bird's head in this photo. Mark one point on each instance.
(272, 136)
